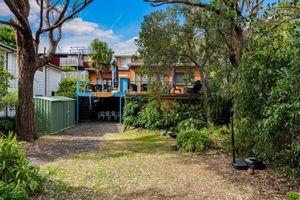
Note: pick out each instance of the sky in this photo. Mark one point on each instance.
(116, 22)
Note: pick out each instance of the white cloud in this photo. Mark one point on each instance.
(126, 47)
(80, 27)
(34, 11)
(4, 10)
(78, 32)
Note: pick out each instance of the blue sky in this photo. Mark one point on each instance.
(116, 22)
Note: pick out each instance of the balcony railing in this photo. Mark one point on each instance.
(166, 87)
(70, 62)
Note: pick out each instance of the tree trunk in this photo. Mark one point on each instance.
(205, 90)
(27, 62)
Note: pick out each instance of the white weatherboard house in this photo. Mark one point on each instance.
(46, 79)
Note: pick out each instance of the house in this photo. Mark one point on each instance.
(77, 58)
(106, 90)
(46, 79)
(126, 70)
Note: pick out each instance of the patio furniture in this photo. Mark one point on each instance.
(113, 114)
(101, 114)
(117, 116)
(133, 87)
(108, 115)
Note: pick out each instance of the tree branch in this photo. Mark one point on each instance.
(70, 16)
(187, 2)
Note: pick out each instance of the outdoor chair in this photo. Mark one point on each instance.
(113, 114)
(117, 116)
(108, 115)
(101, 114)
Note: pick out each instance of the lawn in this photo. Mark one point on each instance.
(138, 165)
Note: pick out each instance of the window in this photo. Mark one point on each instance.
(125, 61)
(179, 77)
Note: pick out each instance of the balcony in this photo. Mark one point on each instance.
(167, 88)
(74, 61)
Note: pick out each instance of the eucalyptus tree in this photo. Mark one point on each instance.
(52, 16)
(174, 36)
(232, 20)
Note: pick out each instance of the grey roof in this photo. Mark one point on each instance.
(8, 47)
(55, 98)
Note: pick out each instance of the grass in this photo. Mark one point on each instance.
(136, 165)
(121, 157)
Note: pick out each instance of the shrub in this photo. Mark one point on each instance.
(67, 87)
(7, 124)
(151, 117)
(12, 191)
(292, 196)
(220, 137)
(15, 169)
(132, 108)
(191, 124)
(193, 141)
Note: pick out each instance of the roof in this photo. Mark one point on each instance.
(55, 98)
(176, 65)
(8, 47)
(56, 67)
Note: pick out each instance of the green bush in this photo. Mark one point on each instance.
(15, 169)
(151, 117)
(7, 124)
(12, 191)
(191, 124)
(292, 196)
(132, 108)
(194, 141)
(68, 87)
(156, 114)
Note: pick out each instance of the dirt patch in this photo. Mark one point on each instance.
(81, 138)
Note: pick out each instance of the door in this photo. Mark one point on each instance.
(124, 84)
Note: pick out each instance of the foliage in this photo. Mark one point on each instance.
(193, 141)
(7, 124)
(132, 108)
(10, 99)
(7, 36)
(69, 69)
(267, 97)
(292, 196)
(16, 173)
(100, 55)
(220, 137)
(5, 77)
(158, 114)
(151, 116)
(68, 87)
(191, 124)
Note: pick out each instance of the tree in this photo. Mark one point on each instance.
(165, 41)
(53, 14)
(100, 55)
(7, 36)
(233, 20)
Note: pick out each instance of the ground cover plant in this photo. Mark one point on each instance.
(18, 179)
